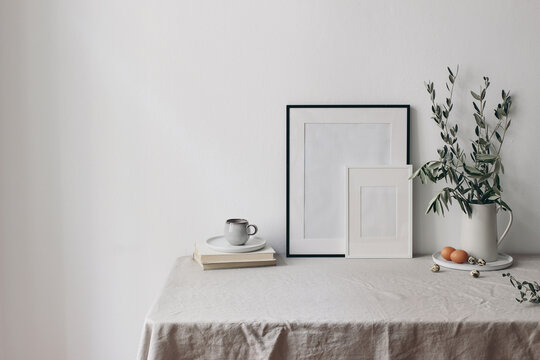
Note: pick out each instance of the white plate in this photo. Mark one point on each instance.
(219, 243)
(503, 261)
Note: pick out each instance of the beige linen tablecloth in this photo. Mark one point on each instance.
(324, 308)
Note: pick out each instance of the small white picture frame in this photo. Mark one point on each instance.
(379, 212)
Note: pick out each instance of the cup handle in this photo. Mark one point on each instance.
(510, 221)
(255, 229)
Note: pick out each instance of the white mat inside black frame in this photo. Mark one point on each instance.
(321, 141)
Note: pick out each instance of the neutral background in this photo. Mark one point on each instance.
(130, 129)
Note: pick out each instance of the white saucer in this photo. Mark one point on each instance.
(503, 261)
(219, 243)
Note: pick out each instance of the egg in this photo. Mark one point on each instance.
(475, 273)
(446, 252)
(435, 268)
(459, 256)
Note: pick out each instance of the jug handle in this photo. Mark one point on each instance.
(507, 226)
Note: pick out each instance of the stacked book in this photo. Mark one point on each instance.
(210, 259)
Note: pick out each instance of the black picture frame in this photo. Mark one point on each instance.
(288, 108)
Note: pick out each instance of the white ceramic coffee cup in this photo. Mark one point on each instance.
(237, 231)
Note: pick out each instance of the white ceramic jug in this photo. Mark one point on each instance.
(479, 231)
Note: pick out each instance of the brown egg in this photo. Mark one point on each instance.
(446, 252)
(459, 256)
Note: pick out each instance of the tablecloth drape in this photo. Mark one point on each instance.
(342, 309)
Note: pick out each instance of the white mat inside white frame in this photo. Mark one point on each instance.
(379, 212)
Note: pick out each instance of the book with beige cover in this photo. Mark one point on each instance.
(211, 259)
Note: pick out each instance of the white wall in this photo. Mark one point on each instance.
(129, 129)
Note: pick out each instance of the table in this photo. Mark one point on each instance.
(334, 308)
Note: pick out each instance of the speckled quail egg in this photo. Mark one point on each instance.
(435, 268)
(481, 262)
(471, 260)
(475, 273)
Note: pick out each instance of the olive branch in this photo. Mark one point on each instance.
(527, 291)
(475, 180)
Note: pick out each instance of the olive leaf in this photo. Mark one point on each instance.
(475, 95)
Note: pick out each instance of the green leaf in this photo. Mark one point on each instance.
(432, 201)
(487, 158)
(497, 168)
(415, 174)
(460, 202)
(430, 175)
(475, 95)
(439, 208)
(479, 121)
(422, 176)
(472, 171)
